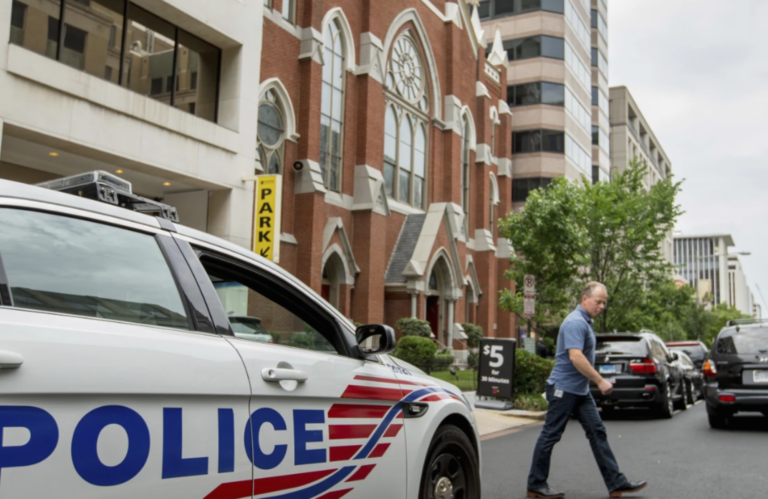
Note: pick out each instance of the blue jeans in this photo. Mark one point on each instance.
(585, 410)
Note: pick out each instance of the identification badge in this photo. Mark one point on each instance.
(559, 394)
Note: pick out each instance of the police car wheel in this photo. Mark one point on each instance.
(451, 468)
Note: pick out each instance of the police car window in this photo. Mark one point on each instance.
(263, 309)
(72, 266)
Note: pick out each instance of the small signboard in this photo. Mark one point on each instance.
(266, 216)
(495, 374)
(529, 285)
(530, 345)
(529, 306)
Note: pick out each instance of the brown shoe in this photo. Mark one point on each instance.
(545, 493)
(629, 488)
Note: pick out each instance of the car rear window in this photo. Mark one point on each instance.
(626, 346)
(695, 352)
(752, 341)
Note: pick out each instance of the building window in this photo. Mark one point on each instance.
(125, 44)
(490, 9)
(522, 187)
(527, 141)
(599, 23)
(538, 92)
(535, 46)
(332, 108)
(595, 98)
(578, 69)
(289, 10)
(595, 135)
(465, 173)
(405, 125)
(271, 134)
(574, 20)
(599, 61)
(494, 125)
(578, 156)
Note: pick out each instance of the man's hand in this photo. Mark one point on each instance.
(605, 387)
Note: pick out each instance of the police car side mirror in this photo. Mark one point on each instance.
(375, 339)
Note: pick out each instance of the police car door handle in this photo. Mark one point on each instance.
(10, 360)
(275, 374)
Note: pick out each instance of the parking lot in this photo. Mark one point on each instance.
(681, 458)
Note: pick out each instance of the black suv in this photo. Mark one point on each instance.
(644, 371)
(736, 371)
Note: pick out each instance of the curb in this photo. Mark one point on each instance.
(535, 415)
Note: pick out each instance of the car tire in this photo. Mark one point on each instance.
(682, 403)
(718, 422)
(451, 468)
(667, 407)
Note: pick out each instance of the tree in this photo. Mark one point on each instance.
(721, 314)
(570, 233)
(626, 223)
(550, 244)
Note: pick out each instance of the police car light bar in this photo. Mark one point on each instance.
(107, 188)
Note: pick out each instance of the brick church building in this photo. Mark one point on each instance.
(391, 129)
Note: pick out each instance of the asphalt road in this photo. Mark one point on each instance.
(681, 458)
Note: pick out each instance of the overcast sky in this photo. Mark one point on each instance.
(699, 73)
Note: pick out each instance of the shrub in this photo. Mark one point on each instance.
(474, 334)
(302, 340)
(531, 402)
(442, 361)
(531, 373)
(550, 344)
(415, 350)
(472, 360)
(410, 326)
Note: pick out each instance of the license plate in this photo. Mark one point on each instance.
(607, 369)
(760, 376)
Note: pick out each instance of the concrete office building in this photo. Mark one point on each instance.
(739, 294)
(553, 94)
(163, 93)
(632, 137)
(703, 261)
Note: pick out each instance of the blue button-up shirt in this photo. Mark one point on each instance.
(575, 333)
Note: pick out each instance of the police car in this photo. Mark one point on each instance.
(121, 376)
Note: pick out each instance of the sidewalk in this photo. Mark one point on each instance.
(492, 424)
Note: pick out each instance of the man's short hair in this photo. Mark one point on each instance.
(590, 287)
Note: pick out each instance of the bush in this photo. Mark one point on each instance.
(442, 361)
(474, 334)
(415, 350)
(531, 373)
(531, 402)
(410, 326)
(302, 340)
(550, 344)
(472, 360)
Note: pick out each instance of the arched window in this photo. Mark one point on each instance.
(405, 131)
(271, 133)
(493, 195)
(465, 173)
(494, 124)
(332, 108)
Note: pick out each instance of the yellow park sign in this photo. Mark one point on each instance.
(266, 216)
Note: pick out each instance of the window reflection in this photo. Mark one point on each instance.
(197, 69)
(35, 25)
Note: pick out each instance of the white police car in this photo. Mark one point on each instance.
(120, 375)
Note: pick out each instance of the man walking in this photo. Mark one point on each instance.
(568, 393)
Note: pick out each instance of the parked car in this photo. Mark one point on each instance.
(696, 350)
(736, 371)
(644, 373)
(693, 377)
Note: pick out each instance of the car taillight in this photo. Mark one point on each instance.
(709, 369)
(727, 398)
(645, 366)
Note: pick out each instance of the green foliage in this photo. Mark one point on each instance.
(442, 361)
(474, 334)
(550, 344)
(410, 326)
(416, 350)
(531, 373)
(276, 337)
(611, 232)
(531, 402)
(472, 360)
(302, 340)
